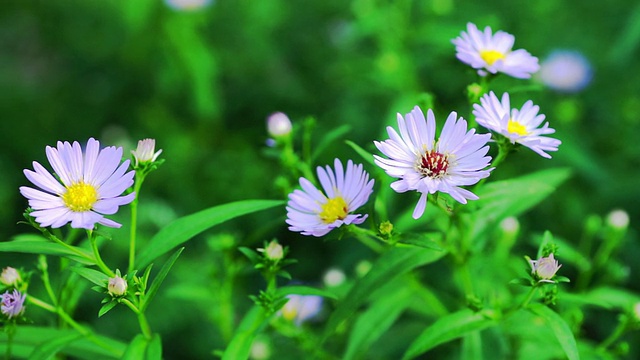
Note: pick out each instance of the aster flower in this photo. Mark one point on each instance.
(301, 308)
(492, 53)
(422, 164)
(566, 71)
(519, 126)
(13, 303)
(89, 186)
(545, 268)
(313, 212)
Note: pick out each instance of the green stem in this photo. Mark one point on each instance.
(142, 319)
(366, 238)
(134, 220)
(10, 332)
(74, 249)
(79, 328)
(45, 279)
(529, 297)
(615, 335)
(94, 245)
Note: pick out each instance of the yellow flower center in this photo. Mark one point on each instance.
(80, 197)
(515, 127)
(333, 210)
(289, 312)
(491, 56)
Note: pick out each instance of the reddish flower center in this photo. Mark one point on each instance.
(433, 164)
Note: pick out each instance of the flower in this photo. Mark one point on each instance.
(278, 124)
(273, 251)
(636, 311)
(312, 212)
(144, 153)
(117, 286)
(566, 71)
(427, 166)
(334, 277)
(519, 126)
(13, 303)
(301, 308)
(89, 186)
(10, 276)
(492, 53)
(618, 219)
(545, 268)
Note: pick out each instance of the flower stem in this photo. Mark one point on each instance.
(529, 297)
(617, 332)
(94, 245)
(74, 249)
(366, 238)
(142, 319)
(140, 175)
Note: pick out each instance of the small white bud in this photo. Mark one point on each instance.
(278, 125)
(10, 276)
(117, 286)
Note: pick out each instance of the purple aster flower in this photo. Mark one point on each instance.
(422, 164)
(519, 126)
(313, 212)
(87, 186)
(566, 71)
(492, 53)
(301, 308)
(13, 303)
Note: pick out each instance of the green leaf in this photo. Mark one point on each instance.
(36, 244)
(425, 240)
(184, 228)
(48, 349)
(367, 156)
(94, 276)
(447, 328)
(107, 307)
(501, 199)
(329, 138)
(240, 345)
(154, 348)
(136, 349)
(560, 329)
(251, 254)
(378, 319)
(155, 285)
(305, 290)
(387, 268)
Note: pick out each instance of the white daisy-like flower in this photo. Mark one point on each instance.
(519, 126)
(566, 71)
(493, 53)
(422, 164)
(312, 212)
(87, 185)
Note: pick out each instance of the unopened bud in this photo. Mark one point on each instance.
(278, 125)
(117, 286)
(146, 152)
(10, 276)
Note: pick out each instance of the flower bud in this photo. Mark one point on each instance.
(273, 251)
(145, 152)
(545, 268)
(278, 125)
(13, 303)
(10, 277)
(117, 286)
(334, 277)
(618, 219)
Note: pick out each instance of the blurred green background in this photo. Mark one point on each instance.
(202, 82)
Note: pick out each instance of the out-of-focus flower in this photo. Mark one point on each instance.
(188, 5)
(145, 152)
(90, 186)
(334, 277)
(13, 303)
(566, 71)
(422, 164)
(545, 268)
(260, 349)
(519, 126)
(510, 225)
(301, 308)
(618, 219)
(273, 251)
(636, 311)
(278, 125)
(312, 212)
(117, 286)
(492, 53)
(10, 276)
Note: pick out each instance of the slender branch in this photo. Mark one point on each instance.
(140, 175)
(96, 253)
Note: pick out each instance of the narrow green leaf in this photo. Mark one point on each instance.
(428, 240)
(136, 349)
(155, 285)
(94, 276)
(367, 156)
(36, 244)
(377, 319)
(447, 328)
(48, 349)
(240, 345)
(106, 307)
(387, 268)
(305, 290)
(329, 138)
(184, 228)
(154, 348)
(560, 329)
